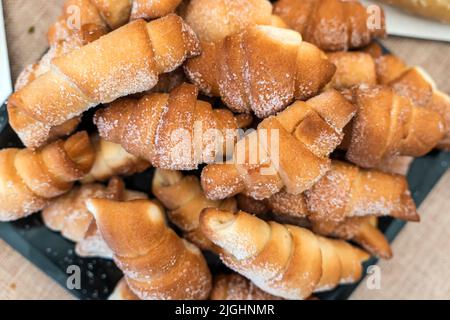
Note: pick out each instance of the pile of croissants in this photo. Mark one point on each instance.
(349, 120)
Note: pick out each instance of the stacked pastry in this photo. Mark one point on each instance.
(285, 212)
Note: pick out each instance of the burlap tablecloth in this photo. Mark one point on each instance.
(420, 268)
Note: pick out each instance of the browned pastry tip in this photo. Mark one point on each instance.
(172, 131)
(261, 69)
(283, 260)
(30, 178)
(433, 9)
(333, 25)
(148, 9)
(348, 191)
(266, 160)
(94, 74)
(123, 292)
(236, 287)
(157, 263)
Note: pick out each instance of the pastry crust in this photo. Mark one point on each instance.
(309, 131)
(434, 9)
(283, 260)
(332, 25)
(235, 287)
(172, 131)
(184, 199)
(29, 179)
(261, 70)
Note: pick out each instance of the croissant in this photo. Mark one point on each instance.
(289, 150)
(236, 287)
(112, 160)
(387, 125)
(283, 260)
(69, 215)
(157, 263)
(172, 131)
(185, 200)
(29, 179)
(342, 203)
(262, 69)
(333, 25)
(95, 74)
(370, 68)
(213, 20)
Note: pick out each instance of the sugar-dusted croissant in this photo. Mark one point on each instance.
(185, 200)
(156, 262)
(112, 160)
(96, 74)
(172, 131)
(69, 215)
(333, 25)
(289, 150)
(413, 83)
(387, 124)
(352, 68)
(235, 287)
(213, 20)
(283, 260)
(261, 69)
(29, 179)
(342, 203)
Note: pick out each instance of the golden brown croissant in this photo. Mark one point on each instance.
(283, 260)
(262, 69)
(387, 125)
(185, 200)
(69, 215)
(151, 9)
(112, 160)
(235, 287)
(343, 203)
(213, 20)
(413, 83)
(29, 179)
(333, 25)
(156, 262)
(289, 150)
(96, 74)
(172, 131)
(62, 40)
